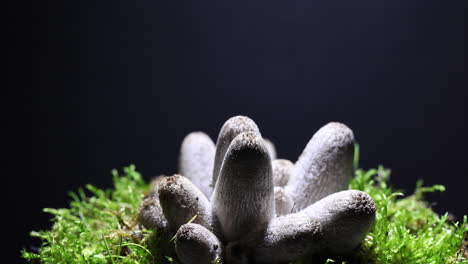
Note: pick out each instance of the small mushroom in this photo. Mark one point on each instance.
(324, 167)
(181, 201)
(194, 244)
(150, 213)
(346, 217)
(196, 160)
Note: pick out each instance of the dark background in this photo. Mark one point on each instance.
(100, 85)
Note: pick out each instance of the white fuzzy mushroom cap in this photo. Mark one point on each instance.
(181, 200)
(195, 244)
(324, 167)
(196, 160)
(243, 199)
(231, 128)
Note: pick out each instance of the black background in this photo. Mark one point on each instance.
(100, 85)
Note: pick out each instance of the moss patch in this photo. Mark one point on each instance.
(100, 227)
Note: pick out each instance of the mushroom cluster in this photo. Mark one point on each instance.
(237, 203)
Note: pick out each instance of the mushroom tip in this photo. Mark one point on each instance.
(230, 129)
(196, 135)
(169, 181)
(339, 130)
(362, 203)
(196, 244)
(249, 140)
(337, 125)
(239, 118)
(239, 123)
(150, 213)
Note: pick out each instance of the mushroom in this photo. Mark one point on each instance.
(261, 209)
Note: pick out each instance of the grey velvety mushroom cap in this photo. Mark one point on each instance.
(181, 201)
(243, 199)
(231, 128)
(194, 244)
(346, 217)
(150, 213)
(196, 160)
(324, 167)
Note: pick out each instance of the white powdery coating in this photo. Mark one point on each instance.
(282, 171)
(194, 244)
(196, 160)
(181, 201)
(271, 148)
(283, 203)
(324, 167)
(231, 128)
(243, 199)
(346, 217)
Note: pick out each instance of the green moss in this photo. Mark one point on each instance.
(100, 227)
(406, 230)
